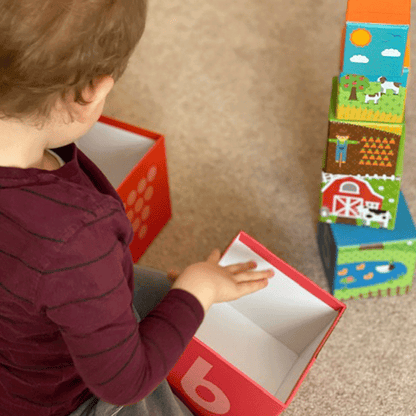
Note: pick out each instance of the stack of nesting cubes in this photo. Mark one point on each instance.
(366, 235)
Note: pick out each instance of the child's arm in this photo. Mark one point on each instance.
(86, 294)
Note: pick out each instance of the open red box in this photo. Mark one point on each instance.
(134, 161)
(250, 356)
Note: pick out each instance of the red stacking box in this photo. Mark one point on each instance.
(134, 161)
(250, 356)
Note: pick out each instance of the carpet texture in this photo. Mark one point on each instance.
(241, 92)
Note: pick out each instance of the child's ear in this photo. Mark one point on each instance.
(95, 93)
(101, 87)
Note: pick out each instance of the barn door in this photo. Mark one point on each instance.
(347, 206)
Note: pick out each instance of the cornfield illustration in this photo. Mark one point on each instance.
(349, 113)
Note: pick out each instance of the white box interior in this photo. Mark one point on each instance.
(270, 335)
(114, 150)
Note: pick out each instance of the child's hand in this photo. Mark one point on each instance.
(211, 283)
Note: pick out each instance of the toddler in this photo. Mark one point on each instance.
(82, 329)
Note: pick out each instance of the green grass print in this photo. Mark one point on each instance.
(389, 102)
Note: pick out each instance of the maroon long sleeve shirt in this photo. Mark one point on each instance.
(67, 329)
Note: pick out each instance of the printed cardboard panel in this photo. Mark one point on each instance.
(360, 148)
(406, 62)
(375, 49)
(372, 97)
(250, 356)
(390, 12)
(134, 162)
(363, 262)
(369, 201)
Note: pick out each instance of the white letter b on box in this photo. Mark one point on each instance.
(194, 377)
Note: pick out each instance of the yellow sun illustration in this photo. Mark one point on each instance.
(360, 37)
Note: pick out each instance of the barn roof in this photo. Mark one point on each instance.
(348, 178)
(393, 12)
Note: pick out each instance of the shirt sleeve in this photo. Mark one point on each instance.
(85, 292)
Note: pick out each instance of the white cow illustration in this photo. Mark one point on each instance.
(380, 216)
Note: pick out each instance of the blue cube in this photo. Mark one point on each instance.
(362, 262)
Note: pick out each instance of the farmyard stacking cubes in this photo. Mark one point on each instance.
(134, 161)
(365, 262)
(363, 161)
(360, 148)
(250, 356)
(375, 61)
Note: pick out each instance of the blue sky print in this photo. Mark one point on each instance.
(377, 49)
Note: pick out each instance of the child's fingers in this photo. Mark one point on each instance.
(241, 267)
(246, 288)
(252, 276)
(251, 281)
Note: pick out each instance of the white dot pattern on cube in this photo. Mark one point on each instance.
(136, 224)
(143, 232)
(141, 185)
(149, 193)
(145, 213)
(139, 212)
(132, 198)
(152, 173)
(139, 205)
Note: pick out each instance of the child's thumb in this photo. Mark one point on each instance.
(214, 257)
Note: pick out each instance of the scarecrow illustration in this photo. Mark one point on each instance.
(341, 150)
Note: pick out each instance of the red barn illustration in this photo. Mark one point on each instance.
(344, 197)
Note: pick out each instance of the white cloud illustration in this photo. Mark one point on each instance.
(359, 59)
(391, 52)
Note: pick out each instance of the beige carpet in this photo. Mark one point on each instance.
(241, 92)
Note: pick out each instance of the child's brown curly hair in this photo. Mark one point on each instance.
(51, 48)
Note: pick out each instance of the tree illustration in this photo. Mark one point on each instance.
(350, 83)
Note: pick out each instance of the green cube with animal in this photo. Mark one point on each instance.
(363, 262)
(372, 97)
